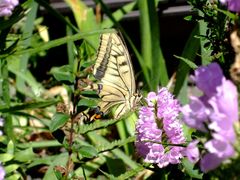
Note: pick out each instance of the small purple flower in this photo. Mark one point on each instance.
(214, 113)
(192, 151)
(158, 126)
(7, 6)
(2, 173)
(232, 5)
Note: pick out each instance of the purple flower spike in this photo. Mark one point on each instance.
(214, 113)
(7, 6)
(158, 120)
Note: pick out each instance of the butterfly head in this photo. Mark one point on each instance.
(135, 99)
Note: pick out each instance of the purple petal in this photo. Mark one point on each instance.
(226, 101)
(234, 5)
(195, 114)
(207, 78)
(210, 162)
(220, 147)
(192, 151)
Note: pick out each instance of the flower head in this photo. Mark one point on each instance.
(232, 5)
(213, 113)
(157, 127)
(7, 6)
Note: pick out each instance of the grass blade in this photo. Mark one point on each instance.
(190, 51)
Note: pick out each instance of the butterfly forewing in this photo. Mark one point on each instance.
(114, 70)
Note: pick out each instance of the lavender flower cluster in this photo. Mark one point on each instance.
(7, 6)
(232, 5)
(158, 130)
(160, 137)
(213, 113)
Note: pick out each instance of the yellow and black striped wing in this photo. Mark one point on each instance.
(114, 70)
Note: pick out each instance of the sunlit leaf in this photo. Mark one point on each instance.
(10, 147)
(87, 151)
(25, 155)
(6, 157)
(87, 102)
(187, 61)
(58, 120)
(11, 168)
(15, 176)
(63, 73)
(30, 105)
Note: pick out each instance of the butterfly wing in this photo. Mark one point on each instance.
(114, 69)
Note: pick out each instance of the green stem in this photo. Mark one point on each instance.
(5, 98)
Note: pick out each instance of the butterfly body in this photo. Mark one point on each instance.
(114, 70)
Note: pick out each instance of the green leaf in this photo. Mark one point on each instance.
(10, 147)
(39, 144)
(43, 160)
(25, 155)
(187, 61)
(11, 168)
(115, 144)
(6, 157)
(118, 15)
(96, 125)
(58, 174)
(122, 130)
(87, 102)
(15, 176)
(59, 160)
(231, 15)
(58, 120)
(190, 171)
(97, 139)
(190, 50)
(188, 18)
(29, 105)
(86, 19)
(150, 41)
(131, 173)
(57, 42)
(71, 48)
(116, 167)
(87, 151)
(63, 73)
(22, 66)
